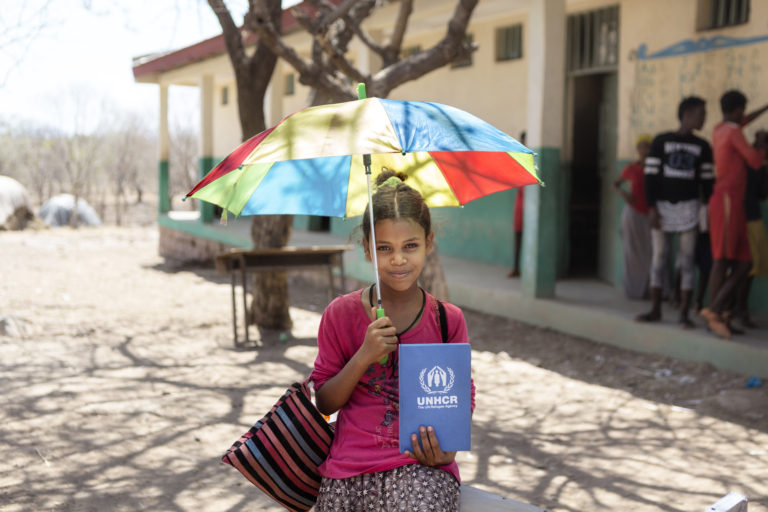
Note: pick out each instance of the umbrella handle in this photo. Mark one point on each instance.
(380, 313)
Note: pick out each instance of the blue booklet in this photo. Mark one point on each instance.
(435, 390)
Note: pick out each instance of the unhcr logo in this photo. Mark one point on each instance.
(438, 380)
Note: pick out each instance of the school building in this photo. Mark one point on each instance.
(583, 78)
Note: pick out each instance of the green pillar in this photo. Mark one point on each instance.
(205, 164)
(163, 187)
(540, 228)
(163, 146)
(546, 93)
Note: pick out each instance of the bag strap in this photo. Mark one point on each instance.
(443, 321)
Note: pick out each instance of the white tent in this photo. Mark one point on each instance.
(13, 196)
(57, 211)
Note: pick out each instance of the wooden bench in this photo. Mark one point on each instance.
(283, 259)
(476, 500)
(731, 502)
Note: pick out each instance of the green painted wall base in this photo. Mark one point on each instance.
(205, 164)
(163, 187)
(540, 227)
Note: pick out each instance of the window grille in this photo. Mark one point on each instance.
(593, 40)
(725, 13)
(509, 43)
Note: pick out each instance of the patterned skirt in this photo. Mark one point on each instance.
(410, 488)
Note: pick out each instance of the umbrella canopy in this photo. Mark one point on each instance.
(311, 163)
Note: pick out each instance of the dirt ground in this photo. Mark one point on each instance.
(121, 389)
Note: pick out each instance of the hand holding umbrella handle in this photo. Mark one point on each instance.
(380, 313)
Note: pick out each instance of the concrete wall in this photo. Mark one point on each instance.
(651, 88)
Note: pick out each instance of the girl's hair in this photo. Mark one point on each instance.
(396, 201)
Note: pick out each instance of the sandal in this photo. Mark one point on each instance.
(718, 327)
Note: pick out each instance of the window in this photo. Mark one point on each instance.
(509, 43)
(722, 13)
(290, 84)
(466, 62)
(224, 95)
(593, 40)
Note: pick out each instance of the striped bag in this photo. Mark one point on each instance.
(281, 452)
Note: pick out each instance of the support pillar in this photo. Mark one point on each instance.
(206, 161)
(163, 167)
(546, 99)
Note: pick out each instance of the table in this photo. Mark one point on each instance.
(278, 259)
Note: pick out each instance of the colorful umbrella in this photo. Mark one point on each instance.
(311, 163)
(319, 161)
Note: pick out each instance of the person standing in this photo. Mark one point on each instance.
(757, 191)
(727, 212)
(518, 223)
(678, 177)
(635, 227)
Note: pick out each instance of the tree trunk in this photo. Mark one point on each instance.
(270, 306)
(432, 277)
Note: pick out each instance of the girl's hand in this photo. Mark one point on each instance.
(431, 454)
(380, 339)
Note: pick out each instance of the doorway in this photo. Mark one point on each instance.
(584, 211)
(592, 63)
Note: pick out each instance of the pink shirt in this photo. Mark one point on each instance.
(366, 439)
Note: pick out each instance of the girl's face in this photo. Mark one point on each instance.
(643, 148)
(401, 248)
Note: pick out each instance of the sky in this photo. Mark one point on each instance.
(82, 55)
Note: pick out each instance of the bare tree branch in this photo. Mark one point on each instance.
(311, 74)
(339, 12)
(332, 28)
(365, 38)
(451, 47)
(309, 24)
(341, 62)
(232, 37)
(396, 41)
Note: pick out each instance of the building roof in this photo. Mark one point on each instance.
(147, 65)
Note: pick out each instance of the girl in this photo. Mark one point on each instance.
(635, 226)
(365, 469)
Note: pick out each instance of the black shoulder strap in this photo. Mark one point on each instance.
(443, 321)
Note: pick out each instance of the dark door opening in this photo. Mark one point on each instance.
(317, 223)
(584, 211)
